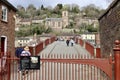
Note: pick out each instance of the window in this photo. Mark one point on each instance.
(4, 13)
(58, 24)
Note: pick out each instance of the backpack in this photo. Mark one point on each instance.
(18, 52)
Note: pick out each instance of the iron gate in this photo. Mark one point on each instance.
(60, 67)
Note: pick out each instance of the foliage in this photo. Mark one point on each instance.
(90, 28)
(48, 30)
(87, 28)
(27, 30)
(91, 11)
(43, 12)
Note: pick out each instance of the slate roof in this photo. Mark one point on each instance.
(53, 19)
(8, 4)
(113, 4)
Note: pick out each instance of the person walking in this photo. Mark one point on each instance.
(67, 42)
(72, 42)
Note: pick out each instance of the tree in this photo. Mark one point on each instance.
(57, 9)
(91, 11)
(42, 7)
(67, 7)
(31, 10)
(21, 11)
(75, 8)
(20, 8)
(90, 28)
(60, 6)
(48, 30)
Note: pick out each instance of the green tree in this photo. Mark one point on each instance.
(75, 8)
(42, 7)
(90, 28)
(57, 9)
(48, 30)
(91, 11)
(31, 10)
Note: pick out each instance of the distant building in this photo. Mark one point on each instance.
(22, 41)
(109, 28)
(93, 38)
(37, 21)
(26, 21)
(58, 23)
(87, 21)
(7, 27)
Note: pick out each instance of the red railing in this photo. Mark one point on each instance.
(98, 53)
(93, 50)
(64, 67)
(47, 42)
(81, 42)
(40, 46)
(89, 48)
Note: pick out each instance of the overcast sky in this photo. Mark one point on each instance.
(37, 3)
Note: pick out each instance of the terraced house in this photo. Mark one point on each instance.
(7, 27)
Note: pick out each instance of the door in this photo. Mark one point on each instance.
(2, 44)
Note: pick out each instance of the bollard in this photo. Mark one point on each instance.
(117, 60)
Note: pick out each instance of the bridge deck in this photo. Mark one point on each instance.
(60, 47)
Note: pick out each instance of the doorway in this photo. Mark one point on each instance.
(3, 44)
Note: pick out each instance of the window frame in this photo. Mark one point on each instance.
(4, 13)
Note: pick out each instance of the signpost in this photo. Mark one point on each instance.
(30, 62)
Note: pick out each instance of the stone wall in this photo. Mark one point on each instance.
(110, 28)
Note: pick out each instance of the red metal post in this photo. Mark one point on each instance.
(117, 60)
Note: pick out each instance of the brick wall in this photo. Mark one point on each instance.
(110, 28)
(8, 29)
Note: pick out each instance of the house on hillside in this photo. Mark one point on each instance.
(109, 28)
(27, 21)
(58, 23)
(36, 20)
(7, 27)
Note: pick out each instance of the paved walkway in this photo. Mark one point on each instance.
(60, 47)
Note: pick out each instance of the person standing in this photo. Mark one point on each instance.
(19, 51)
(26, 52)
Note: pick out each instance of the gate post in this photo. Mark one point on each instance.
(117, 60)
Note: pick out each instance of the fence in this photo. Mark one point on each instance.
(34, 50)
(64, 67)
(61, 67)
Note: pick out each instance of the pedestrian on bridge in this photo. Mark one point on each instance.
(72, 42)
(67, 42)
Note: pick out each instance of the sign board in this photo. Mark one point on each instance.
(30, 62)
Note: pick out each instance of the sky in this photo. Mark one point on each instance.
(37, 3)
